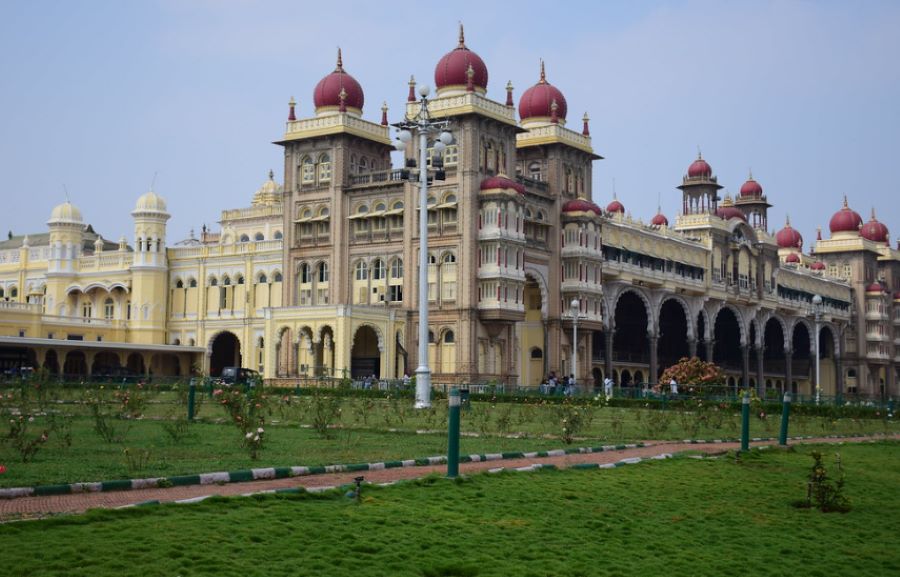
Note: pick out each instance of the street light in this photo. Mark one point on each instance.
(816, 310)
(575, 305)
(426, 127)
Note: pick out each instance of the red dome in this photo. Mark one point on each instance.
(615, 206)
(845, 220)
(789, 237)
(874, 288)
(699, 168)
(729, 212)
(660, 220)
(751, 188)
(792, 258)
(452, 69)
(502, 183)
(818, 265)
(581, 205)
(328, 90)
(897, 296)
(537, 101)
(875, 231)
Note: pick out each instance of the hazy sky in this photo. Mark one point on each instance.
(100, 95)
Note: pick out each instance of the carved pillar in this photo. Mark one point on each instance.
(89, 357)
(838, 376)
(788, 369)
(654, 362)
(710, 348)
(745, 366)
(608, 361)
(692, 348)
(760, 372)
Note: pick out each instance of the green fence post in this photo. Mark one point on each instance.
(192, 390)
(453, 435)
(785, 415)
(745, 422)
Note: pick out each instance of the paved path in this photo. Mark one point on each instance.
(37, 507)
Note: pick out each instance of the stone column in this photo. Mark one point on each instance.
(745, 366)
(710, 349)
(654, 362)
(788, 369)
(760, 372)
(838, 376)
(692, 348)
(608, 361)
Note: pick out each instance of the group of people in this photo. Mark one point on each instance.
(553, 385)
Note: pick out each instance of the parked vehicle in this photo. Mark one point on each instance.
(239, 376)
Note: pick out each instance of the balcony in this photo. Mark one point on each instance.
(576, 251)
(505, 311)
(875, 315)
(580, 287)
(877, 337)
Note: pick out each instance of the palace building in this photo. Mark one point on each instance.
(319, 275)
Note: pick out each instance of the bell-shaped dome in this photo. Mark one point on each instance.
(615, 206)
(792, 258)
(501, 182)
(751, 188)
(789, 237)
(875, 231)
(65, 213)
(537, 103)
(699, 168)
(452, 70)
(338, 91)
(818, 265)
(727, 210)
(845, 220)
(269, 193)
(875, 288)
(150, 202)
(659, 219)
(581, 205)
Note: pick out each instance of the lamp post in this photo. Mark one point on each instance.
(426, 127)
(575, 305)
(816, 310)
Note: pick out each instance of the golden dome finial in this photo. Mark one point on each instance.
(750, 176)
(462, 36)
(271, 174)
(845, 202)
(543, 79)
(340, 62)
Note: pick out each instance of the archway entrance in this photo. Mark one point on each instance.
(531, 336)
(727, 348)
(673, 334)
(630, 343)
(76, 364)
(801, 344)
(773, 352)
(827, 366)
(701, 337)
(365, 358)
(226, 352)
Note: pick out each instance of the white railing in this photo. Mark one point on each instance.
(440, 106)
(253, 212)
(336, 123)
(16, 306)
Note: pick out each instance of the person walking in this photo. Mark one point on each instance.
(608, 387)
(673, 387)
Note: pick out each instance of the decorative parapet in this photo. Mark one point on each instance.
(215, 250)
(271, 211)
(554, 134)
(469, 103)
(342, 123)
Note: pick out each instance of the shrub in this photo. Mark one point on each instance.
(694, 374)
(824, 493)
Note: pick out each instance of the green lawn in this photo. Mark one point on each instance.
(679, 517)
(366, 430)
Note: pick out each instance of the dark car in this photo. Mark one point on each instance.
(239, 376)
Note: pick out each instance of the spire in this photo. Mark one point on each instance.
(818, 233)
(340, 62)
(554, 112)
(470, 75)
(586, 131)
(292, 104)
(787, 221)
(873, 214)
(412, 89)
(384, 110)
(462, 36)
(699, 154)
(750, 177)
(543, 79)
(271, 174)
(509, 91)
(846, 206)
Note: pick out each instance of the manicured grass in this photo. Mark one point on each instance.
(362, 436)
(673, 518)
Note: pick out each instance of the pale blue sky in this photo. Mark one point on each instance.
(100, 95)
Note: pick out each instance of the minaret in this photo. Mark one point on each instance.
(700, 189)
(66, 239)
(149, 271)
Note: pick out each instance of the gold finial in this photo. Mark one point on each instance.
(271, 174)
(543, 79)
(462, 36)
(340, 62)
(751, 174)
(787, 221)
(699, 154)
(845, 202)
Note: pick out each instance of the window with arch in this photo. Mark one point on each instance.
(362, 270)
(277, 277)
(213, 281)
(1, 292)
(259, 236)
(449, 337)
(324, 168)
(323, 272)
(14, 292)
(245, 238)
(537, 353)
(363, 164)
(397, 268)
(304, 274)
(240, 279)
(192, 283)
(378, 269)
(109, 309)
(448, 277)
(226, 281)
(179, 284)
(261, 279)
(307, 171)
(278, 235)
(87, 309)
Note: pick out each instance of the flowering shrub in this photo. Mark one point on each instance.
(698, 376)
(247, 413)
(107, 410)
(26, 445)
(254, 441)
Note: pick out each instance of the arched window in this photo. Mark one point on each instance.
(226, 281)
(449, 257)
(240, 279)
(213, 281)
(323, 272)
(430, 336)
(324, 168)
(109, 308)
(87, 309)
(14, 292)
(537, 353)
(362, 271)
(179, 283)
(278, 235)
(449, 337)
(192, 283)
(262, 278)
(397, 268)
(259, 236)
(307, 171)
(277, 277)
(378, 269)
(1, 292)
(363, 165)
(304, 274)
(245, 238)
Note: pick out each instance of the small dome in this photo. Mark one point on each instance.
(327, 93)
(751, 189)
(875, 231)
(875, 288)
(818, 265)
(615, 206)
(789, 237)
(699, 168)
(660, 220)
(452, 69)
(269, 193)
(150, 202)
(65, 213)
(501, 182)
(581, 205)
(845, 220)
(792, 258)
(537, 101)
(727, 210)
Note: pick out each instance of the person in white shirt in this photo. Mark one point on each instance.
(673, 386)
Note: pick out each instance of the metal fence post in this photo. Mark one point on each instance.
(785, 415)
(453, 435)
(192, 390)
(745, 422)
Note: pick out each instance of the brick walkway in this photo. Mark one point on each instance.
(37, 507)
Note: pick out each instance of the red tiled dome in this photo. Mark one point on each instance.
(874, 288)
(875, 231)
(615, 206)
(660, 220)
(502, 183)
(751, 189)
(581, 205)
(818, 265)
(328, 90)
(792, 258)
(452, 68)
(845, 220)
(789, 237)
(699, 168)
(729, 212)
(537, 101)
